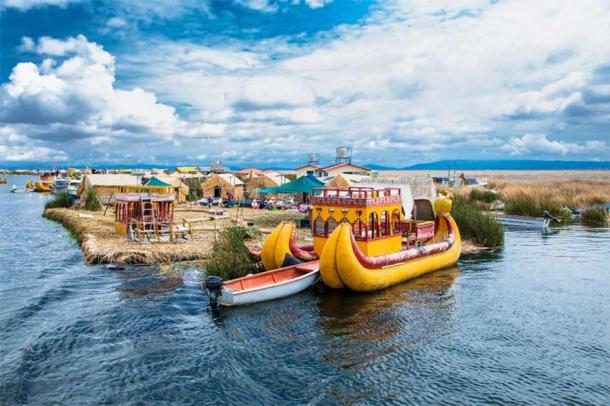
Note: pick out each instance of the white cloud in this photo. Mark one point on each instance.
(554, 97)
(539, 144)
(268, 6)
(16, 147)
(27, 44)
(317, 3)
(272, 91)
(28, 4)
(259, 5)
(116, 22)
(77, 90)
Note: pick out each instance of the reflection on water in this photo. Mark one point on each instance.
(381, 315)
(527, 324)
(147, 281)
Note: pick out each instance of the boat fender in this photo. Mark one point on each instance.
(290, 260)
(213, 285)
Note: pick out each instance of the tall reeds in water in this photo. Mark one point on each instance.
(230, 257)
(483, 195)
(597, 216)
(532, 199)
(62, 200)
(476, 226)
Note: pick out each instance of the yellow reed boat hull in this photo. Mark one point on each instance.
(282, 243)
(42, 188)
(276, 246)
(340, 266)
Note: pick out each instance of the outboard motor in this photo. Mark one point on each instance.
(213, 285)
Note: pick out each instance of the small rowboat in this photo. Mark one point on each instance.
(526, 221)
(263, 286)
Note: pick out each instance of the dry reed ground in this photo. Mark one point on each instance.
(100, 244)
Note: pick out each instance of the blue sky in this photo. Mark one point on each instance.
(264, 82)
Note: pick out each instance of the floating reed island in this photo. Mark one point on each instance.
(96, 234)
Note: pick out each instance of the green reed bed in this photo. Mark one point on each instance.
(62, 200)
(476, 226)
(596, 216)
(523, 204)
(483, 195)
(230, 258)
(195, 191)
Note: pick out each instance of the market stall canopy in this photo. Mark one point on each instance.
(304, 184)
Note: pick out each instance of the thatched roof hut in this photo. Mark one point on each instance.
(261, 182)
(345, 180)
(220, 185)
(106, 185)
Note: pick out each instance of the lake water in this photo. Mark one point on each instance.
(529, 324)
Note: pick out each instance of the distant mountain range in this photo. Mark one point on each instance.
(456, 164)
(466, 164)
(377, 167)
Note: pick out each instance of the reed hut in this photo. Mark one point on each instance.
(220, 185)
(262, 182)
(106, 185)
(249, 173)
(345, 180)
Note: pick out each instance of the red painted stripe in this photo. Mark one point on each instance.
(403, 256)
(301, 253)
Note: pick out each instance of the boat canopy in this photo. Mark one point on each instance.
(304, 184)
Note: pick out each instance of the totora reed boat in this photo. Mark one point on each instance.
(372, 246)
